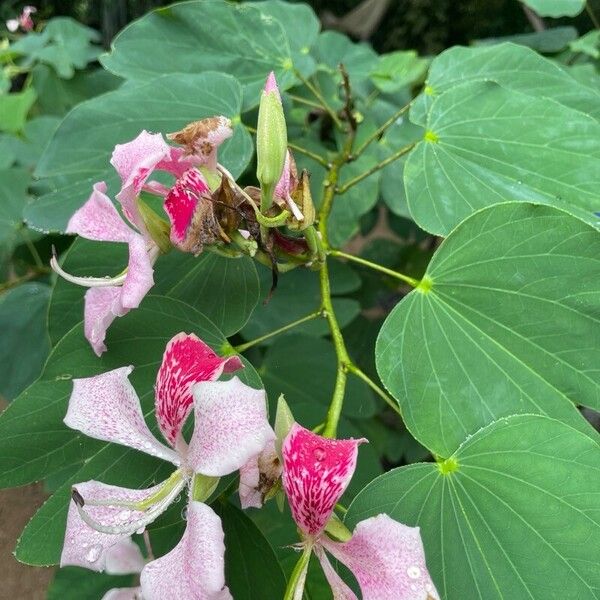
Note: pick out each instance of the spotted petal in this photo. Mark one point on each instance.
(123, 594)
(135, 161)
(106, 407)
(258, 476)
(195, 568)
(87, 547)
(187, 360)
(124, 557)
(102, 306)
(388, 560)
(231, 426)
(316, 472)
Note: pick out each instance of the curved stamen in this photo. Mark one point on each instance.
(130, 528)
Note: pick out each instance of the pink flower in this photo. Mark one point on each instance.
(287, 184)
(98, 219)
(231, 428)
(25, 22)
(386, 557)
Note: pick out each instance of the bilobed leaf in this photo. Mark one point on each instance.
(79, 153)
(197, 281)
(252, 571)
(556, 8)
(25, 344)
(303, 368)
(238, 39)
(487, 144)
(34, 442)
(514, 67)
(512, 514)
(505, 321)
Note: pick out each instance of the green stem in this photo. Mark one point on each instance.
(316, 157)
(298, 576)
(7, 285)
(381, 393)
(366, 263)
(384, 163)
(305, 101)
(317, 94)
(381, 130)
(32, 249)
(592, 16)
(243, 347)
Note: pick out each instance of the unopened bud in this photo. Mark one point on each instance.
(284, 419)
(271, 136)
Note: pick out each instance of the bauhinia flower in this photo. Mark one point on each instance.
(230, 429)
(186, 204)
(25, 22)
(386, 557)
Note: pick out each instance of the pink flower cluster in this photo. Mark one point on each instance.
(24, 21)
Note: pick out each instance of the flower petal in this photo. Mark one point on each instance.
(388, 560)
(140, 273)
(98, 219)
(123, 594)
(288, 181)
(187, 360)
(87, 547)
(231, 426)
(316, 472)
(258, 476)
(195, 568)
(106, 407)
(339, 588)
(102, 307)
(134, 162)
(123, 558)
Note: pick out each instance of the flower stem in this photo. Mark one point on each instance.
(384, 163)
(295, 587)
(377, 134)
(352, 368)
(316, 157)
(367, 263)
(243, 347)
(319, 96)
(592, 15)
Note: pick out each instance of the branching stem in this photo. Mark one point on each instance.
(377, 134)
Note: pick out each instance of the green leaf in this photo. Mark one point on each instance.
(57, 96)
(556, 8)
(588, 44)
(506, 321)
(36, 135)
(14, 108)
(194, 280)
(64, 44)
(13, 198)
(510, 515)
(74, 583)
(25, 343)
(548, 41)
(293, 360)
(238, 39)
(397, 70)
(34, 442)
(297, 295)
(74, 161)
(252, 571)
(487, 144)
(514, 67)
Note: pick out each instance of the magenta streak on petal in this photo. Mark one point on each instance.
(316, 472)
(388, 560)
(181, 202)
(195, 568)
(187, 360)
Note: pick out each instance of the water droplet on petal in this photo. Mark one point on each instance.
(413, 572)
(184, 512)
(93, 554)
(319, 453)
(124, 515)
(140, 530)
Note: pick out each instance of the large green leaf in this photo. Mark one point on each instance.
(13, 198)
(506, 321)
(513, 514)
(34, 442)
(556, 8)
(297, 295)
(25, 343)
(194, 280)
(252, 571)
(14, 108)
(512, 66)
(210, 35)
(295, 359)
(487, 144)
(75, 161)
(74, 583)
